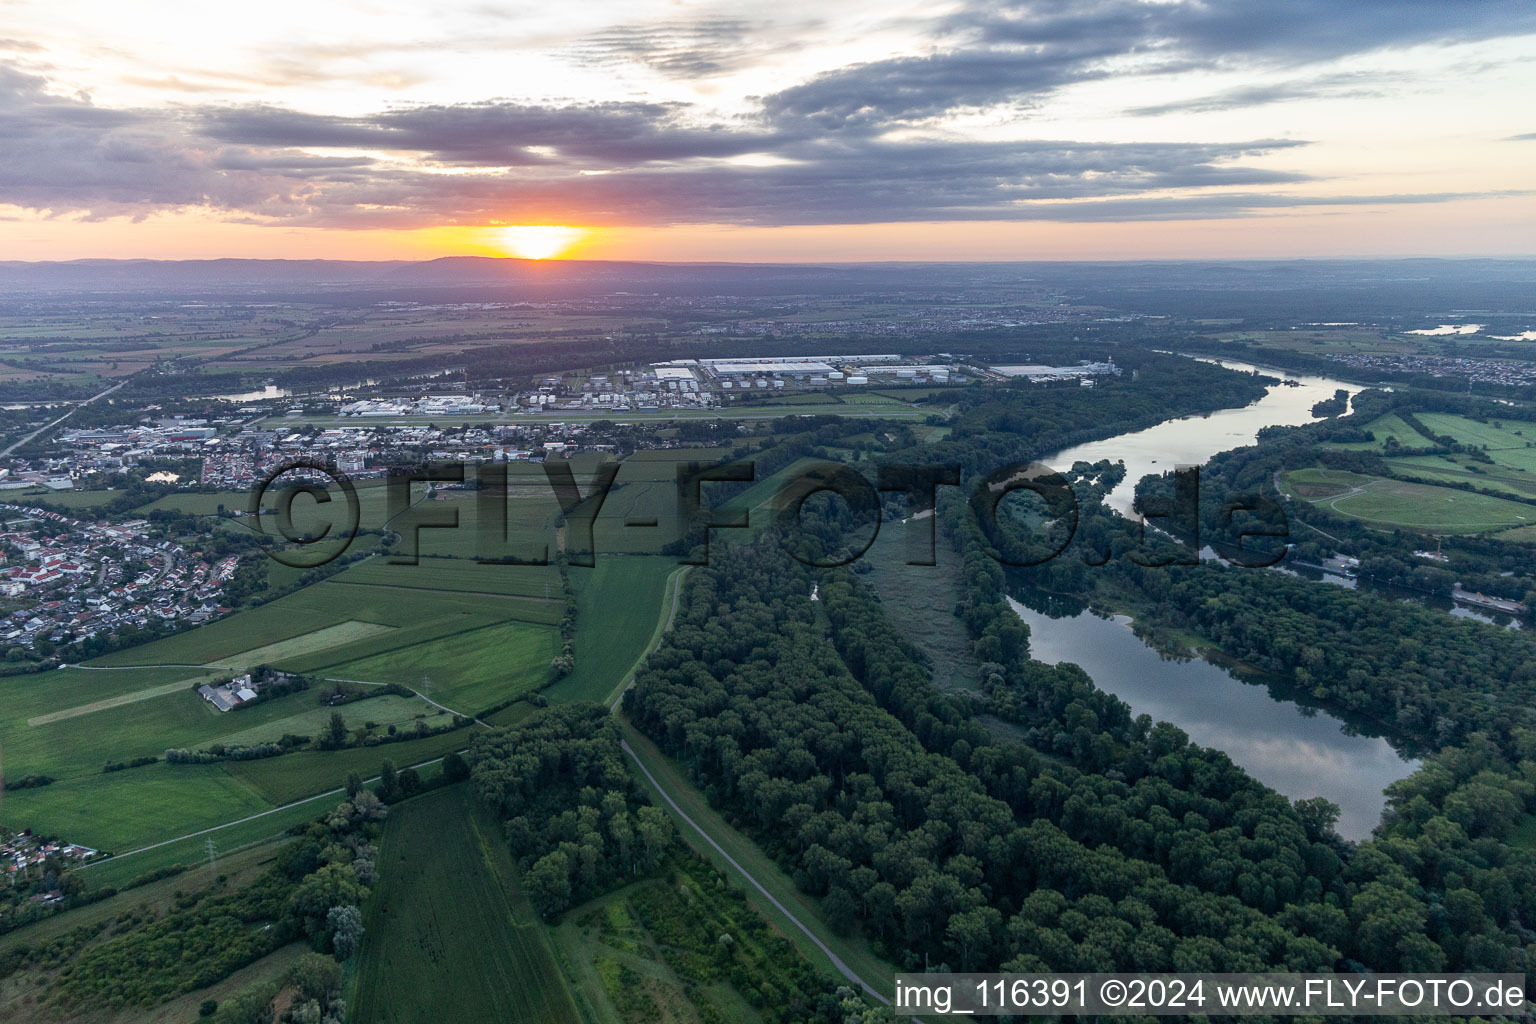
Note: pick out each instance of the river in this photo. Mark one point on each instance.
(1299, 751)
(1192, 440)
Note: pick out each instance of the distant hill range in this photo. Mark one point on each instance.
(450, 271)
(1332, 289)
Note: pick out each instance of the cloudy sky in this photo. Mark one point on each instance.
(797, 130)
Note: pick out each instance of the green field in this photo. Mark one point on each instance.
(297, 614)
(1493, 435)
(619, 605)
(79, 744)
(1463, 469)
(1383, 427)
(381, 711)
(461, 575)
(322, 639)
(199, 504)
(328, 604)
(1314, 483)
(482, 634)
(193, 852)
(449, 937)
(293, 777)
(107, 703)
(133, 808)
(469, 671)
(1396, 503)
(70, 499)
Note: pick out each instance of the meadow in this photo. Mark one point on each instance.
(481, 633)
(470, 670)
(458, 575)
(920, 599)
(1463, 469)
(1493, 436)
(294, 777)
(1384, 427)
(1392, 503)
(620, 604)
(460, 943)
(136, 807)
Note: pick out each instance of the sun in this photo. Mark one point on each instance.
(538, 241)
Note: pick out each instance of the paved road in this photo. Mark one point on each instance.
(837, 961)
(49, 426)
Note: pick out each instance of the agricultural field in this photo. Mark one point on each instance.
(1462, 469)
(297, 614)
(1493, 436)
(374, 713)
(619, 607)
(449, 936)
(294, 777)
(1391, 503)
(872, 402)
(78, 500)
(1313, 484)
(1383, 427)
(305, 643)
(468, 671)
(198, 503)
(67, 724)
(166, 801)
(192, 852)
(482, 633)
(256, 631)
(458, 575)
(1337, 340)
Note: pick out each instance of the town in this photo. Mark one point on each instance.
(75, 579)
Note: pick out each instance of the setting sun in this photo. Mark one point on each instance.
(538, 241)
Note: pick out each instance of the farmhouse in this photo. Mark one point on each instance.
(229, 696)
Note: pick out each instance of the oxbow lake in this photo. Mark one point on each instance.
(1298, 751)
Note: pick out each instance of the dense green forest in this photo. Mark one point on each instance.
(1114, 845)
(581, 827)
(1103, 840)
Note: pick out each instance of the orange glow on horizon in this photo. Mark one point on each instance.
(537, 241)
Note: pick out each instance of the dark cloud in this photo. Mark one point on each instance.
(63, 154)
(593, 136)
(1020, 52)
(818, 152)
(516, 160)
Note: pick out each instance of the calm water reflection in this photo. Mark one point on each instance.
(1298, 751)
(1192, 441)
